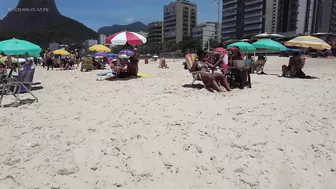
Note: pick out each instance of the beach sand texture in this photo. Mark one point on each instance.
(152, 132)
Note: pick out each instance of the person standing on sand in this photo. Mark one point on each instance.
(134, 63)
(49, 60)
(77, 55)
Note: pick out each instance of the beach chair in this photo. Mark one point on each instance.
(23, 84)
(258, 66)
(190, 59)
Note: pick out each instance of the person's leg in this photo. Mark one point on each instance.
(221, 79)
(210, 82)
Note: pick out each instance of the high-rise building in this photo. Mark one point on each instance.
(298, 16)
(155, 32)
(88, 43)
(205, 32)
(101, 39)
(179, 19)
(327, 16)
(243, 17)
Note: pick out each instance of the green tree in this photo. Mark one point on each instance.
(189, 44)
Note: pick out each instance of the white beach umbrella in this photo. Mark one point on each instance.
(124, 37)
(271, 35)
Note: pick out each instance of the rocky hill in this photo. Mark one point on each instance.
(39, 21)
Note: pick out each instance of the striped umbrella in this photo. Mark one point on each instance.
(122, 38)
(308, 42)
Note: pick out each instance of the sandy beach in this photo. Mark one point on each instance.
(154, 132)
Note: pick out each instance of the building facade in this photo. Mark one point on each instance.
(179, 19)
(54, 46)
(206, 32)
(88, 43)
(155, 32)
(243, 17)
(101, 39)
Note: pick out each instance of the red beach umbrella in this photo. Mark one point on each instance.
(121, 38)
(220, 50)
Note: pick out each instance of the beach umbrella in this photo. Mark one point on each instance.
(243, 46)
(103, 54)
(99, 48)
(61, 52)
(268, 35)
(19, 47)
(123, 56)
(269, 44)
(308, 42)
(125, 37)
(127, 52)
(220, 50)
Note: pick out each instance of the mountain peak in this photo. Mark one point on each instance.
(134, 27)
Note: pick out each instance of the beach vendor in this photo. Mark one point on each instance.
(134, 63)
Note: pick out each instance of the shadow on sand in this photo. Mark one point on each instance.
(20, 103)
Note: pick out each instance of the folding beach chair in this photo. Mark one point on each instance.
(21, 85)
(190, 59)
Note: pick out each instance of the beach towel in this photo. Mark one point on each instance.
(190, 59)
(145, 75)
(106, 74)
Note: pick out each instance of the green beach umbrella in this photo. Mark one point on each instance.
(19, 47)
(243, 46)
(269, 44)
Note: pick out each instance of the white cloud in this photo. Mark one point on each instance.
(130, 19)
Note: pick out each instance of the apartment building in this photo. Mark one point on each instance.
(242, 17)
(88, 43)
(327, 16)
(101, 39)
(179, 19)
(155, 32)
(205, 32)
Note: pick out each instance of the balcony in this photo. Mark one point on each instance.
(250, 21)
(229, 31)
(229, 2)
(255, 8)
(230, 8)
(254, 2)
(259, 14)
(254, 27)
(225, 20)
(229, 13)
(227, 26)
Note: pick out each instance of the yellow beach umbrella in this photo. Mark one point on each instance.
(99, 48)
(308, 42)
(61, 52)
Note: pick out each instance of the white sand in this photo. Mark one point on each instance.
(153, 133)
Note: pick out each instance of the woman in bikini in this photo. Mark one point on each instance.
(210, 80)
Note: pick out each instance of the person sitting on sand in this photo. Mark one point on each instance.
(294, 68)
(163, 63)
(210, 80)
(121, 68)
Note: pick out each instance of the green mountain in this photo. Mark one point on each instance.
(43, 25)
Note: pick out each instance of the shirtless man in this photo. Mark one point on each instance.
(49, 60)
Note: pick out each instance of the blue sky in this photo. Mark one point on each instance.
(98, 13)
